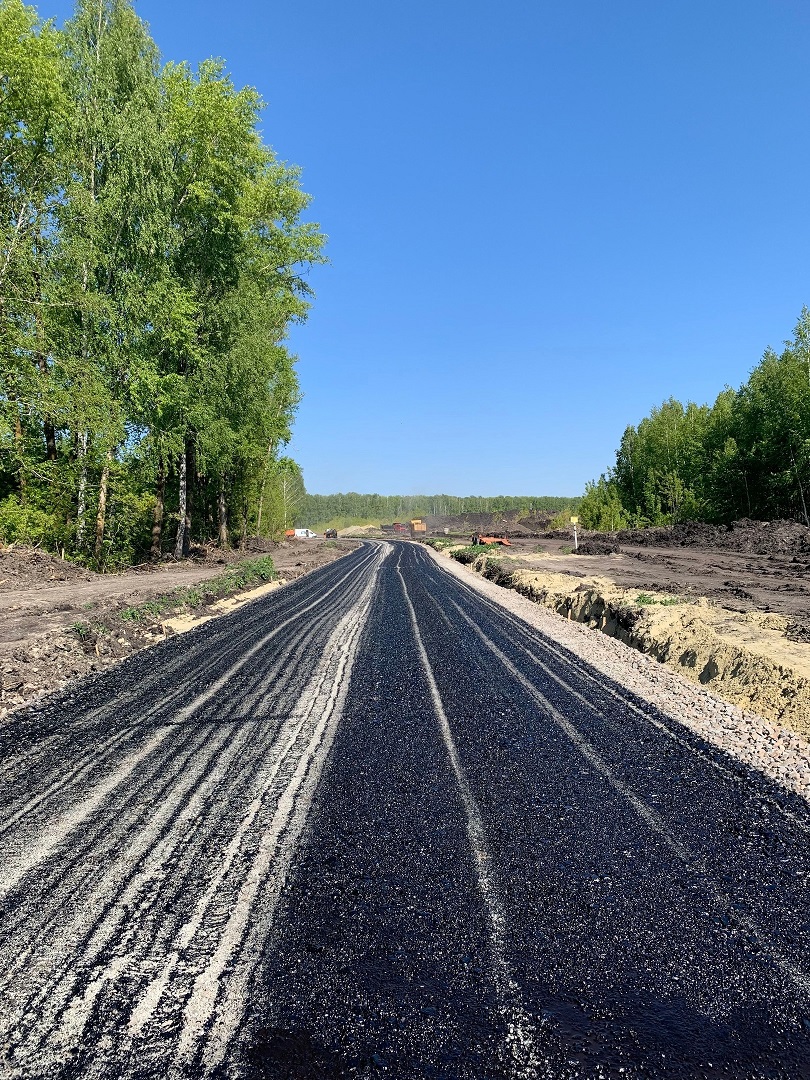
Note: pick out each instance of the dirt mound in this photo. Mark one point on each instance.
(29, 568)
(508, 524)
(745, 536)
(597, 547)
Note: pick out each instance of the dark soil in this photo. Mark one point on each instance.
(508, 524)
(751, 537)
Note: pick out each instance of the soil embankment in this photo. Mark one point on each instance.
(61, 621)
(753, 656)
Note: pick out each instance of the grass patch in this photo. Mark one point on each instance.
(664, 601)
(439, 543)
(469, 554)
(249, 574)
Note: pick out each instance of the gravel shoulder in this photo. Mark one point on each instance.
(761, 744)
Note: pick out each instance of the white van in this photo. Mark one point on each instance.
(306, 534)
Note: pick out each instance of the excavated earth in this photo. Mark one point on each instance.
(727, 608)
(60, 621)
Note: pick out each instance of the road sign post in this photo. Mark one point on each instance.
(575, 522)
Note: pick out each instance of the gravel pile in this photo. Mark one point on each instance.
(758, 743)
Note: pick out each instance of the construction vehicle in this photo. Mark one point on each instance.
(418, 528)
(331, 534)
(482, 541)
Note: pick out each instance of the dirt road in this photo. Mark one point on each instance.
(374, 824)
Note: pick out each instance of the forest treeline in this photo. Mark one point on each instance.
(152, 259)
(747, 455)
(352, 507)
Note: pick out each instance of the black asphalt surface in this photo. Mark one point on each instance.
(375, 825)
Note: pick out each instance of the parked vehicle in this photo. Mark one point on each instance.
(418, 528)
(331, 534)
(305, 534)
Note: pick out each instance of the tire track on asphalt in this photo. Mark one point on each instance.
(325, 700)
(520, 1027)
(722, 899)
(145, 848)
(195, 651)
(93, 759)
(771, 907)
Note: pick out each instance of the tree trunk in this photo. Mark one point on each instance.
(191, 472)
(180, 543)
(222, 514)
(20, 449)
(157, 520)
(42, 364)
(102, 507)
(47, 424)
(81, 502)
(262, 490)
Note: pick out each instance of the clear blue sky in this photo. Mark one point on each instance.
(544, 218)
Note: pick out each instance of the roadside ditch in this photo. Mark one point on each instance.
(744, 657)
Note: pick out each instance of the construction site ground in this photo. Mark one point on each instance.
(729, 607)
(59, 620)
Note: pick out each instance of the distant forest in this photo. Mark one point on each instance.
(748, 455)
(352, 507)
(152, 257)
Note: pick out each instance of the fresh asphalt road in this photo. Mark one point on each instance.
(375, 825)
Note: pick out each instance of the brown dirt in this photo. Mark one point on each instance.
(776, 578)
(59, 621)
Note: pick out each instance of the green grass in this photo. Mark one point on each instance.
(664, 601)
(439, 543)
(250, 573)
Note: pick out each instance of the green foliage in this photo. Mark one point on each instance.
(601, 507)
(470, 553)
(152, 259)
(663, 601)
(441, 543)
(25, 524)
(748, 455)
(252, 572)
(322, 511)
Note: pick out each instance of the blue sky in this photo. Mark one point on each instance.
(544, 218)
